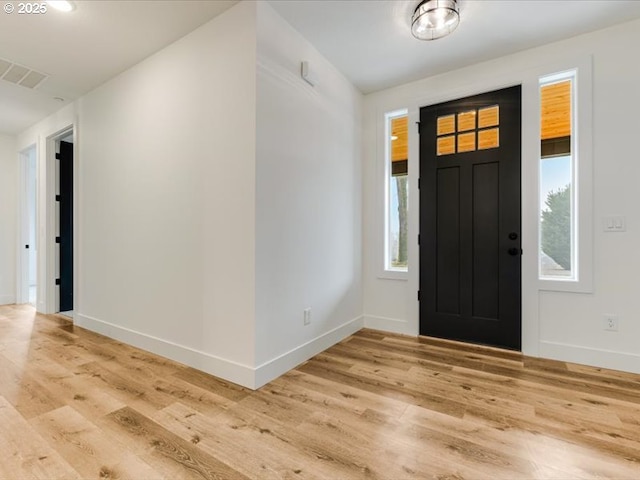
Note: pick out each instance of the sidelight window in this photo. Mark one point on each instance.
(397, 190)
(557, 187)
(564, 206)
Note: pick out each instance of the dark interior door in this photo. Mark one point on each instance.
(65, 198)
(470, 255)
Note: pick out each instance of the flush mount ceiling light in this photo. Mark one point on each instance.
(434, 19)
(62, 5)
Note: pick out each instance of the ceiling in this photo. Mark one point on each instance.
(369, 41)
(82, 49)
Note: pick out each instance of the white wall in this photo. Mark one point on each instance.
(217, 196)
(566, 326)
(8, 218)
(168, 179)
(165, 199)
(308, 201)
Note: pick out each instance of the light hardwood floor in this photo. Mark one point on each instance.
(74, 404)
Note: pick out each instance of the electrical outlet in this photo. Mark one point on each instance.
(307, 316)
(611, 322)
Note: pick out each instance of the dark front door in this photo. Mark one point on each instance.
(65, 157)
(470, 219)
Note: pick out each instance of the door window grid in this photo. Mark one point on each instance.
(468, 131)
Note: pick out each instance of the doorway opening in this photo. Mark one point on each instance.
(28, 244)
(64, 222)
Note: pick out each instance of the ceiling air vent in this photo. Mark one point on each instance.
(19, 75)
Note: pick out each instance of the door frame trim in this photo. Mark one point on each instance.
(22, 287)
(50, 219)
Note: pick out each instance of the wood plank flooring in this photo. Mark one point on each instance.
(74, 404)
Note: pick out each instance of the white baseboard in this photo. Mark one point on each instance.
(219, 367)
(234, 372)
(392, 325)
(7, 299)
(626, 362)
(291, 359)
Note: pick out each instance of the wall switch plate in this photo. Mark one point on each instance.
(614, 223)
(611, 322)
(307, 316)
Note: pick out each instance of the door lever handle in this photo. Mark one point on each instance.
(513, 251)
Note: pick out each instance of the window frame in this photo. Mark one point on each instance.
(581, 179)
(387, 271)
(570, 75)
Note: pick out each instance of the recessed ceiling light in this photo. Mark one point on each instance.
(62, 5)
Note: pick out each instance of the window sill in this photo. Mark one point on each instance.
(569, 286)
(394, 275)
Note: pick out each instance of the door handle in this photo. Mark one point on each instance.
(513, 251)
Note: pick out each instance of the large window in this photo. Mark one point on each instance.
(558, 243)
(397, 194)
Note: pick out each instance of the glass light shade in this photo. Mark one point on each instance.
(434, 19)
